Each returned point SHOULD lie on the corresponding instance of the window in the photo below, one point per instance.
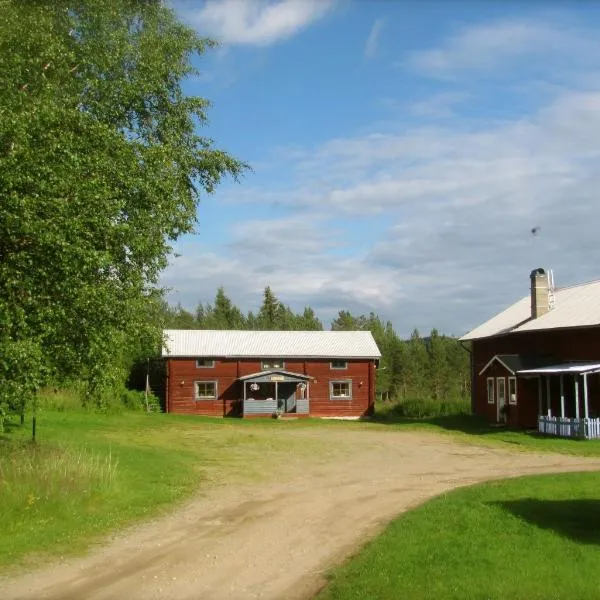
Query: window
(275, 363)
(205, 363)
(340, 390)
(206, 390)
(512, 390)
(490, 390)
(338, 364)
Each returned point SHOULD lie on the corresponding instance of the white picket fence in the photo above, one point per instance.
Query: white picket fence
(564, 427)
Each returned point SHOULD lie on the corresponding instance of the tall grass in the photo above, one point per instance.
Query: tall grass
(423, 408)
(31, 473)
(45, 492)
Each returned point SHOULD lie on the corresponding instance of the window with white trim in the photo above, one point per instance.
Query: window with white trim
(512, 390)
(340, 390)
(274, 363)
(490, 390)
(205, 363)
(338, 364)
(205, 390)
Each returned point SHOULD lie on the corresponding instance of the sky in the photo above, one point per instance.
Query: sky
(401, 152)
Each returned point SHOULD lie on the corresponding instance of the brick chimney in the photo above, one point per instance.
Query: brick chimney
(540, 293)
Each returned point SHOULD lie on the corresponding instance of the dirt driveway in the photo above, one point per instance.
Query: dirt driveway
(275, 540)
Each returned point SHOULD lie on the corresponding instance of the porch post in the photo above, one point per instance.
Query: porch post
(539, 395)
(277, 398)
(576, 377)
(562, 395)
(585, 396)
(548, 403)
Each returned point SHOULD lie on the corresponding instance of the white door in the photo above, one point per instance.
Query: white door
(501, 397)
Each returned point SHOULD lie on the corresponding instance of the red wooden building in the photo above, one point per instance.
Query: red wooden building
(537, 363)
(264, 373)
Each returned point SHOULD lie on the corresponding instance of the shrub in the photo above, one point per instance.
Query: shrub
(423, 408)
(136, 400)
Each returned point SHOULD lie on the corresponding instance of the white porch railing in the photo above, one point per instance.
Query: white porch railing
(564, 427)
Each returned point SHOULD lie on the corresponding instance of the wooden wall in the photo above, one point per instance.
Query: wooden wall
(561, 345)
(182, 373)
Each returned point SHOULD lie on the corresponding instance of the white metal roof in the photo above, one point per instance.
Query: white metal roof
(575, 306)
(580, 367)
(269, 344)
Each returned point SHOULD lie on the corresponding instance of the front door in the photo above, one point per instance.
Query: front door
(288, 393)
(501, 398)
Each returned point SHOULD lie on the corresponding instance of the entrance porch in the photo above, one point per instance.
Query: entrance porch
(274, 393)
(582, 421)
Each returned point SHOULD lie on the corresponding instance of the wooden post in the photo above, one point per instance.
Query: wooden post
(34, 421)
(539, 395)
(548, 402)
(585, 397)
(562, 395)
(244, 400)
(147, 385)
(576, 377)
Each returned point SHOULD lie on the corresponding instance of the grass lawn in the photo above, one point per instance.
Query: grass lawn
(475, 430)
(530, 538)
(90, 474)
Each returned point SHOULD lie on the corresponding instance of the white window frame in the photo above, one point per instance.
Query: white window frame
(338, 368)
(491, 387)
(197, 395)
(512, 398)
(211, 364)
(267, 365)
(347, 382)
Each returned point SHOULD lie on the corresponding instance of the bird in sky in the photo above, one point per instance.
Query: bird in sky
(535, 230)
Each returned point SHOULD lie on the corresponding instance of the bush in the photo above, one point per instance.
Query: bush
(136, 400)
(423, 408)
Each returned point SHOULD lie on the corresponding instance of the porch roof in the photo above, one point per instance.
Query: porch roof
(576, 368)
(514, 363)
(278, 373)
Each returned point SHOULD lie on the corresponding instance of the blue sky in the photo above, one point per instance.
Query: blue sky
(401, 153)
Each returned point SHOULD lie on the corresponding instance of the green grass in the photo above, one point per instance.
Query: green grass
(527, 538)
(475, 430)
(90, 474)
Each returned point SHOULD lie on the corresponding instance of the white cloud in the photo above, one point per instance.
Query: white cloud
(438, 106)
(440, 215)
(254, 22)
(498, 45)
(372, 43)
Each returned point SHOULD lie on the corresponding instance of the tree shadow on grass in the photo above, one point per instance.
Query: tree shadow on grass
(469, 424)
(578, 520)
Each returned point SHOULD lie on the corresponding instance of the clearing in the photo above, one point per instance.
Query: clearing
(277, 537)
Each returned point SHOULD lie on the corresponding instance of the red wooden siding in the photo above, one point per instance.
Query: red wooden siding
(182, 373)
(576, 344)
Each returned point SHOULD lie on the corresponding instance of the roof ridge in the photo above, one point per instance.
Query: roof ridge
(574, 285)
